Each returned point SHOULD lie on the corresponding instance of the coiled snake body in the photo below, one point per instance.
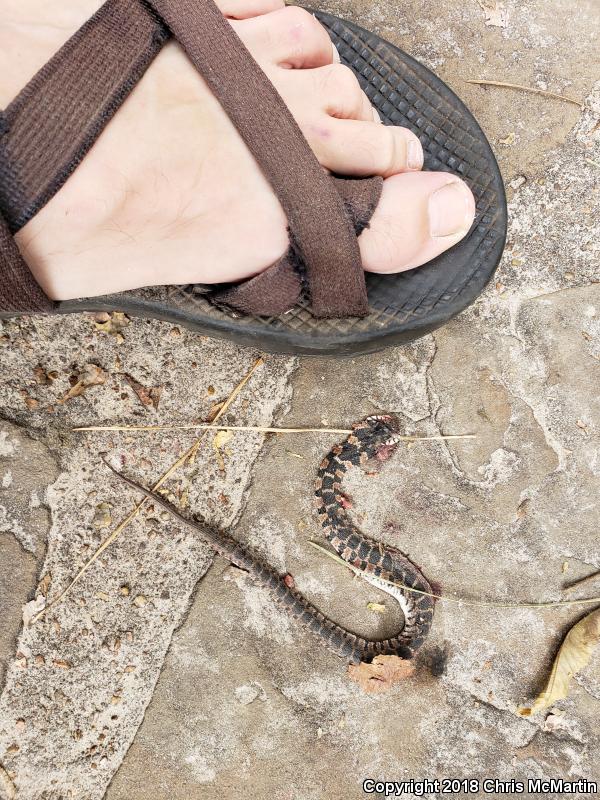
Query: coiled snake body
(380, 565)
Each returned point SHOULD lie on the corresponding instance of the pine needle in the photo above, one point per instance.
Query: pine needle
(258, 429)
(462, 600)
(530, 89)
(180, 461)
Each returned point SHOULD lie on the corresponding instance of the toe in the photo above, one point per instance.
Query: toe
(290, 37)
(419, 216)
(361, 148)
(340, 93)
(245, 9)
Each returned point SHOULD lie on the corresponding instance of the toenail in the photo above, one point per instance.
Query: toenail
(336, 55)
(376, 116)
(414, 154)
(451, 210)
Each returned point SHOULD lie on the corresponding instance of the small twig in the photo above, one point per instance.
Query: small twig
(582, 581)
(111, 538)
(256, 428)
(530, 89)
(476, 603)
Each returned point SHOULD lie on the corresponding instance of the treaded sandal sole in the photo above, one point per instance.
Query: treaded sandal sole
(405, 306)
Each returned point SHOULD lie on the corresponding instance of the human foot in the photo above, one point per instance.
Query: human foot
(165, 191)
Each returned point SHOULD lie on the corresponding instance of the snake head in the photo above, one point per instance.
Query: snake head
(383, 429)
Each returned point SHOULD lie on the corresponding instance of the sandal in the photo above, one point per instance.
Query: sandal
(316, 299)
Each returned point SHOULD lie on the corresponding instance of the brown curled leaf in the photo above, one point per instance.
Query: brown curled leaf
(574, 654)
(381, 674)
(91, 375)
(149, 397)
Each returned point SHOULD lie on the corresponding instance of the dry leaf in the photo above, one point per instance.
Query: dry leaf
(496, 14)
(111, 323)
(381, 674)
(44, 378)
(148, 397)
(378, 608)
(184, 497)
(214, 410)
(102, 516)
(30, 402)
(574, 654)
(220, 440)
(91, 375)
(44, 585)
(32, 608)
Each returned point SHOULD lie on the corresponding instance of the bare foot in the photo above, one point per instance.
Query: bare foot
(169, 194)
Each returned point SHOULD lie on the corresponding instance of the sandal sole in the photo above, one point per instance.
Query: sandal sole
(403, 306)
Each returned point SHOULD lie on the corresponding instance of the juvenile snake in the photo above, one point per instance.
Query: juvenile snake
(375, 437)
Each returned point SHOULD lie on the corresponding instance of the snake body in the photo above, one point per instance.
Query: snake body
(378, 564)
(383, 566)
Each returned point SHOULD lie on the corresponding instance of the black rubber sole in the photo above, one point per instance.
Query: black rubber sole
(403, 307)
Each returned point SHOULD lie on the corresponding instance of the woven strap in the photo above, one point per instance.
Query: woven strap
(320, 228)
(48, 129)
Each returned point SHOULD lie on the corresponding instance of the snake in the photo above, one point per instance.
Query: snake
(383, 566)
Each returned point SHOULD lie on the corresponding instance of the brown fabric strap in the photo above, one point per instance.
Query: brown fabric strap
(18, 290)
(320, 229)
(49, 128)
(279, 288)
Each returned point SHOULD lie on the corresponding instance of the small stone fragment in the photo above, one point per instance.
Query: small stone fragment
(249, 693)
(102, 517)
(139, 601)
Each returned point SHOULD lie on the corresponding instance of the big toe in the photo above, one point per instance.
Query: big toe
(419, 216)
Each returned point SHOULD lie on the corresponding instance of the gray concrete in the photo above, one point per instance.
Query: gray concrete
(203, 689)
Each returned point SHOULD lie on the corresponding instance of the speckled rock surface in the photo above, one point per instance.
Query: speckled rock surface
(204, 690)
(79, 679)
